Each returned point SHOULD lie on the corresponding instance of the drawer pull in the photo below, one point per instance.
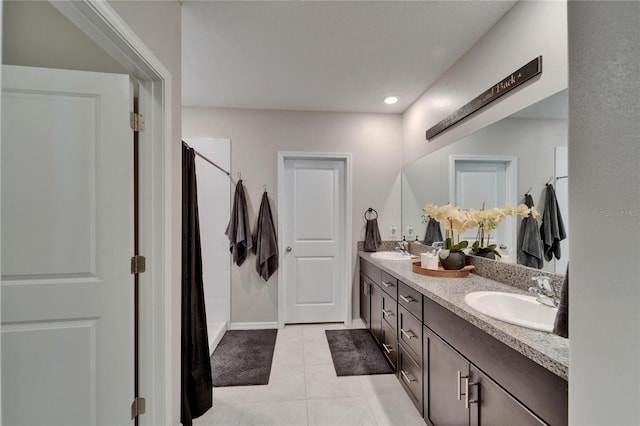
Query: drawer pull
(407, 377)
(468, 401)
(410, 335)
(388, 349)
(408, 299)
(386, 284)
(460, 377)
(387, 313)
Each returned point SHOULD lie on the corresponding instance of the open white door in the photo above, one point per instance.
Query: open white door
(314, 233)
(67, 240)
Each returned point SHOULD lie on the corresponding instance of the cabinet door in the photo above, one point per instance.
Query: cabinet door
(445, 373)
(491, 405)
(376, 312)
(365, 300)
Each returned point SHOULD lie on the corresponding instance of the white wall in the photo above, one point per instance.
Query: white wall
(256, 137)
(528, 30)
(158, 24)
(604, 202)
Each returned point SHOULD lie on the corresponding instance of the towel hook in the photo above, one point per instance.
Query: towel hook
(529, 190)
(369, 211)
(264, 187)
(550, 179)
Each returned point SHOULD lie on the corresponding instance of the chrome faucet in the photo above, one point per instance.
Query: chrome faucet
(544, 292)
(401, 249)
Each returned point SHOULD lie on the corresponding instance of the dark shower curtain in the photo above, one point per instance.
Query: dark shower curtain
(196, 387)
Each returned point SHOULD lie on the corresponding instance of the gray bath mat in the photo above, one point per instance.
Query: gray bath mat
(355, 353)
(243, 357)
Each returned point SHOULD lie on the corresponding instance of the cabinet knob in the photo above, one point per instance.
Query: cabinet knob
(288, 249)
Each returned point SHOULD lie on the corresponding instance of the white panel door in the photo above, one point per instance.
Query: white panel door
(314, 232)
(67, 239)
(478, 182)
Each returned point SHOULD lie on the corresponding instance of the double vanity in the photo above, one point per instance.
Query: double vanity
(458, 365)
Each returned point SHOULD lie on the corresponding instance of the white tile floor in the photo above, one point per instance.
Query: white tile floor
(304, 390)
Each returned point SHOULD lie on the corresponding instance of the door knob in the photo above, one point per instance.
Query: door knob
(288, 249)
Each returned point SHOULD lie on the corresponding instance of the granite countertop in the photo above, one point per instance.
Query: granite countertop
(546, 349)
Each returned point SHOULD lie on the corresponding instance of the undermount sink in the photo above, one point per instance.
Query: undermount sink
(390, 255)
(515, 309)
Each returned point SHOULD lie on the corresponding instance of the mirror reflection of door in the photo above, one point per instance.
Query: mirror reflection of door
(478, 181)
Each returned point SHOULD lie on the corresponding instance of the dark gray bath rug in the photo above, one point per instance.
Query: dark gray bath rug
(355, 353)
(243, 357)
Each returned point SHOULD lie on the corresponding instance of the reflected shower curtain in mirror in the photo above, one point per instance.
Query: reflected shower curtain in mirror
(196, 384)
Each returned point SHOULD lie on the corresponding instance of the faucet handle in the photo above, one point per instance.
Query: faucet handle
(543, 282)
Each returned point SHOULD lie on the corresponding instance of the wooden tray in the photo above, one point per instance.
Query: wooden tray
(441, 272)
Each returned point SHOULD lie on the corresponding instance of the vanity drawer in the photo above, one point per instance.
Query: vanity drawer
(410, 376)
(389, 284)
(410, 299)
(390, 311)
(410, 333)
(390, 344)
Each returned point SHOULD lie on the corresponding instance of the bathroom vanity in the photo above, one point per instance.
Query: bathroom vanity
(457, 365)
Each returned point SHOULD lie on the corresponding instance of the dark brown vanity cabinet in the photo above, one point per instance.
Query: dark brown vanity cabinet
(458, 393)
(365, 299)
(471, 375)
(375, 325)
(371, 298)
(454, 372)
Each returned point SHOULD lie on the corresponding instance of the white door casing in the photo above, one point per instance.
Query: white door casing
(159, 151)
(67, 222)
(314, 221)
(492, 180)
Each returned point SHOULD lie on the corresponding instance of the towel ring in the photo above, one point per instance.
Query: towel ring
(368, 212)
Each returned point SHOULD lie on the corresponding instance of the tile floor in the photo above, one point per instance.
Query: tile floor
(304, 390)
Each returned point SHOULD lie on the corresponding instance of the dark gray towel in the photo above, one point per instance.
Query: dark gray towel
(238, 230)
(561, 325)
(529, 243)
(552, 228)
(265, 241)
(372, 237)
(432, 233)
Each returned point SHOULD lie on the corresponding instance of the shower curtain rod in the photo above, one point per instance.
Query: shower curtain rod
(207, 160)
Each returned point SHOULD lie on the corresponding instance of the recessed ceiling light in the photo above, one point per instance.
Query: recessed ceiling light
(390, 100)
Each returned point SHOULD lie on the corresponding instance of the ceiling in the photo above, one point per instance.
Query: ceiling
(344, 56)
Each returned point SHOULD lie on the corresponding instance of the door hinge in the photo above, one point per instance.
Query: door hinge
(137, 407)
(137, 122)
(138, 264)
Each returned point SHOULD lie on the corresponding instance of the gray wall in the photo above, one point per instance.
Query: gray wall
(604, 197)
(257, 135)
(35, 34)
(528, 30)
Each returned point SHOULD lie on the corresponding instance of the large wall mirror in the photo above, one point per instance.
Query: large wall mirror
(497, 166)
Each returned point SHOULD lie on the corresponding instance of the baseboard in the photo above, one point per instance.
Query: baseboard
(215, 335)
(252, 325)
(357, 323)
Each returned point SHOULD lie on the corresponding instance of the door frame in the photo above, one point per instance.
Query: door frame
(346, 248)
(98, 20)
(511, 191)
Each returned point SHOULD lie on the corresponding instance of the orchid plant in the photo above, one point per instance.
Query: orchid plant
(458, 221)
